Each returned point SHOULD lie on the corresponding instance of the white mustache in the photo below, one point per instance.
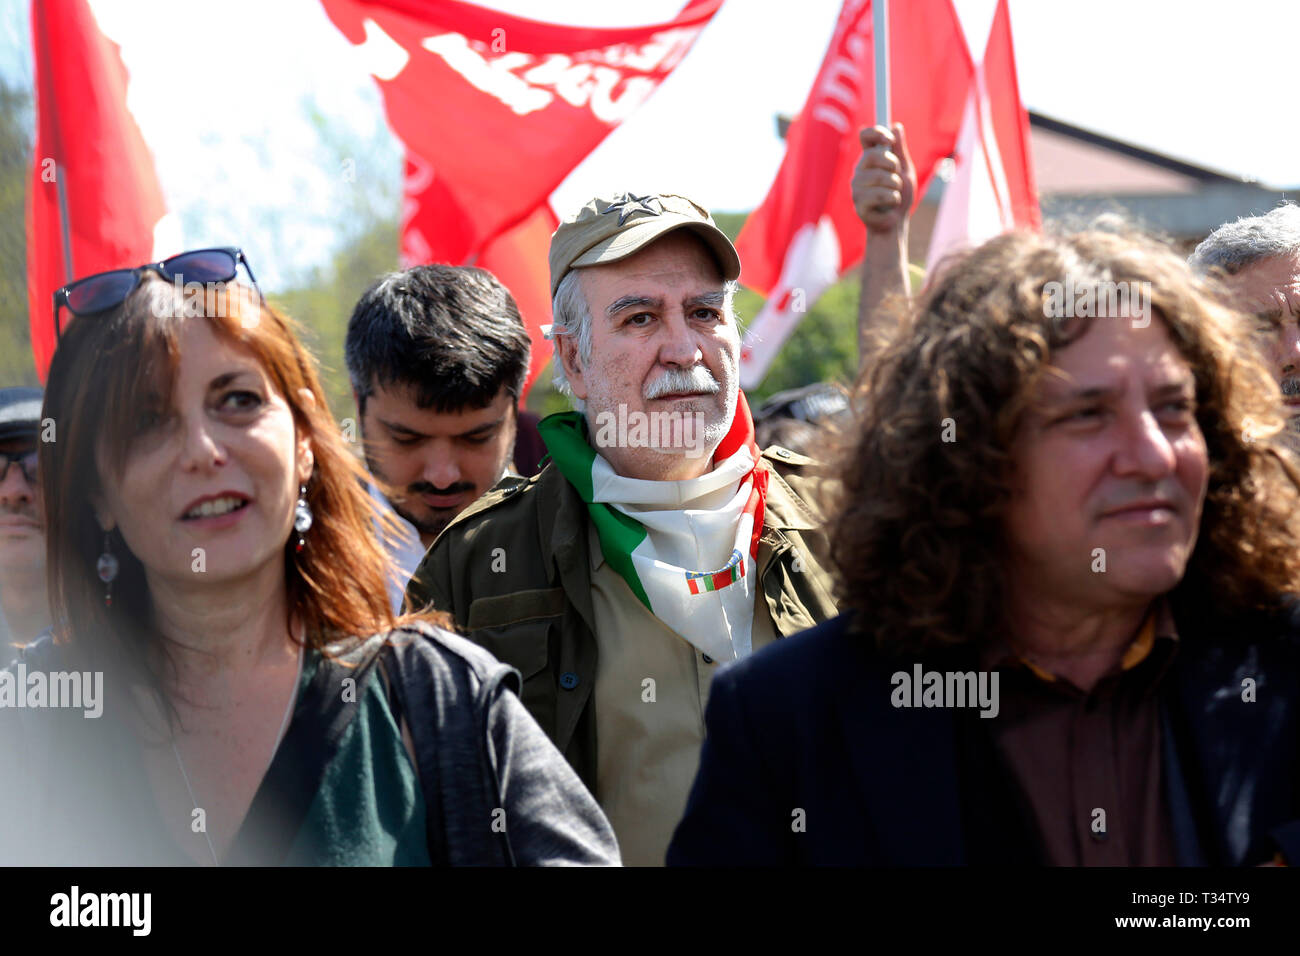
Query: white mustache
(698, 379)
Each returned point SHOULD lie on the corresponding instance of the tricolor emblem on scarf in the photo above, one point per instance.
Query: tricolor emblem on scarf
(699, 581)
(685, 548)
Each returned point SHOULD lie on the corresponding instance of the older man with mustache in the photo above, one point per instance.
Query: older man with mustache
(24, 607)
(1258, 260)
(659, 543)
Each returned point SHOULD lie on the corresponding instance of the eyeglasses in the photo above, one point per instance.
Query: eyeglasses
(107, 290)
(26, 464)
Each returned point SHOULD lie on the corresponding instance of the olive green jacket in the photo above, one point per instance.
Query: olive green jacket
(513, 571)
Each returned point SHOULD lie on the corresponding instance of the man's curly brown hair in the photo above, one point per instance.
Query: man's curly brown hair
(919, 539)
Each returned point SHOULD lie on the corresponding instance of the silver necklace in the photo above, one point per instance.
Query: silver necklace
(284, 725)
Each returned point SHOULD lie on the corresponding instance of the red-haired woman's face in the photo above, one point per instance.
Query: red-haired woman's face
(209, 483)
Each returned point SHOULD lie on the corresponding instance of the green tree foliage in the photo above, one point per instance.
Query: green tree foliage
(323, 302)
(16, 366)
(730, 222)
(366, 247)
(823, 346)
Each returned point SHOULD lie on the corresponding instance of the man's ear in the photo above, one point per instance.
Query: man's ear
(567, 348)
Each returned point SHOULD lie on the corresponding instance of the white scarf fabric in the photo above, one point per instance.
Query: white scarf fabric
(694, 526)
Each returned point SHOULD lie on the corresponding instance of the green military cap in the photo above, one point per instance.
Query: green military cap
(610, 228)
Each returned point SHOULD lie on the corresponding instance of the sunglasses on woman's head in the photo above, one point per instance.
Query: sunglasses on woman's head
(107, 290)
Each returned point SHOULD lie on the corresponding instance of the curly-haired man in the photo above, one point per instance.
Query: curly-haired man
(1067, 544)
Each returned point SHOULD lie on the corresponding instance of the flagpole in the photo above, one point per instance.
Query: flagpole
(880, 37)
(63, 222)
(880, 41)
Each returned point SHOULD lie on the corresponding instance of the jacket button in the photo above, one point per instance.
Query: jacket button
(568, 680)
(708, 659)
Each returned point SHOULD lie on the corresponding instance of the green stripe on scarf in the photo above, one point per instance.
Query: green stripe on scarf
(565, 435)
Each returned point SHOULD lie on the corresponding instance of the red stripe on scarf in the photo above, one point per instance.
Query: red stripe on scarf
(757, 501)
(741, 435)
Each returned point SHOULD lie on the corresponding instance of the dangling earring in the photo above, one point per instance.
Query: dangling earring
(301, 517)
(107, 568)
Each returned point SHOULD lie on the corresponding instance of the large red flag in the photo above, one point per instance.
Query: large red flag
(806, 232)
(518, 259)
(495, 111)
(994, 188)
(94, 202)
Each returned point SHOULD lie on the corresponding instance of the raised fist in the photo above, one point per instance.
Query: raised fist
(884, 182)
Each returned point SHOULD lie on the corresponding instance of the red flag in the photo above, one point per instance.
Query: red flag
(495, 111)
(806, 232)
(93, 196)
(518, 259)
(994, 188)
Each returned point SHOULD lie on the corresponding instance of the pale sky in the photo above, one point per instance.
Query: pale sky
(223, 91)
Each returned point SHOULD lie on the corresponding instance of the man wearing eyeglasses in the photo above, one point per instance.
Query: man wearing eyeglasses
(24, 609)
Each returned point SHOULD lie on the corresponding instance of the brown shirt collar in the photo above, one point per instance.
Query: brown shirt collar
(1158, 625)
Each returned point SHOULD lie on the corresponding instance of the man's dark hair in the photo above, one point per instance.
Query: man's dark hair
(451, 333)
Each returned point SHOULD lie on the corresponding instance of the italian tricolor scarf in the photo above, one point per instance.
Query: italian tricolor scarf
(687, 549)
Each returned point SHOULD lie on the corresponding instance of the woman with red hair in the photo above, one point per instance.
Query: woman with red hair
(222, 610)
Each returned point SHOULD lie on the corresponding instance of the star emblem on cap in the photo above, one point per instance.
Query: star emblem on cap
(630, 203)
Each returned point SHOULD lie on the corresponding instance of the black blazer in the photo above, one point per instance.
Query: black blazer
(805, 760)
